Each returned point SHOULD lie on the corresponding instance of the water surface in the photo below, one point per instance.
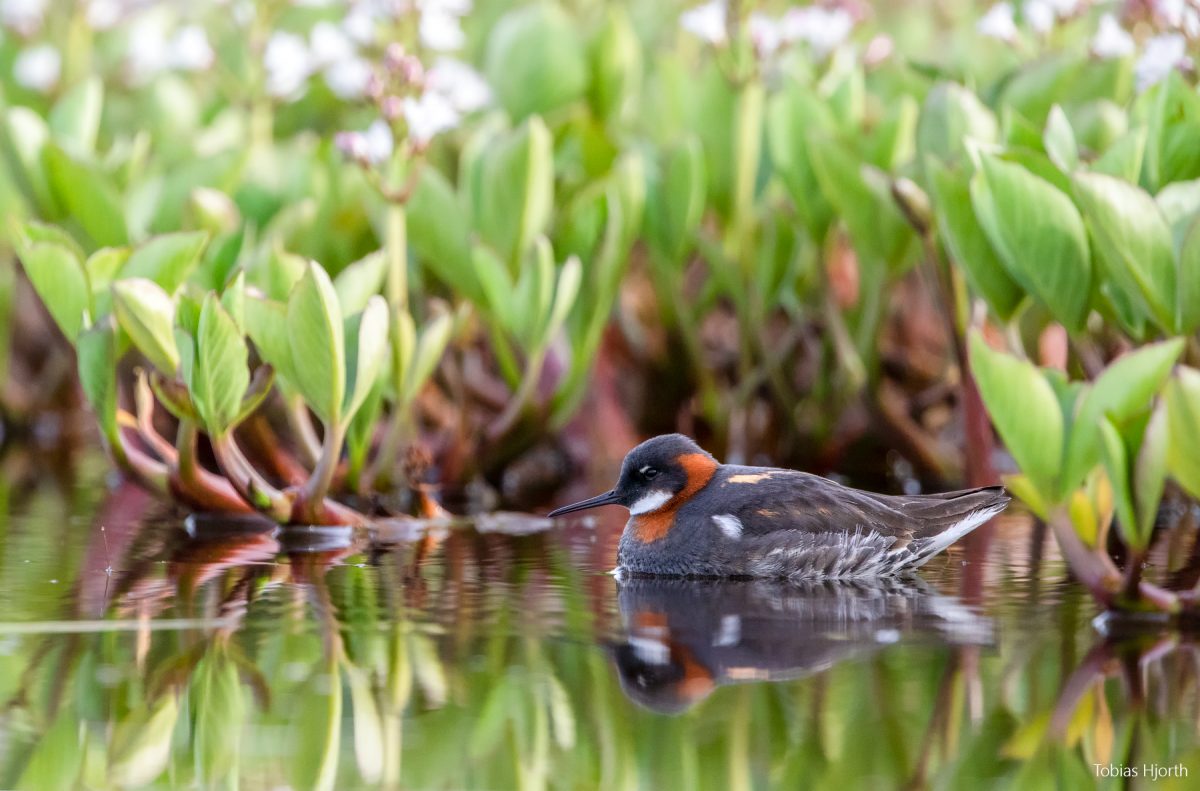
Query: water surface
(165, 651)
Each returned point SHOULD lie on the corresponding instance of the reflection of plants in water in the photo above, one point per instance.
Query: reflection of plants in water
(292, 663)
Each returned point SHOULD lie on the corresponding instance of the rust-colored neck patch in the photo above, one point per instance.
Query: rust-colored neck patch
(653, 526)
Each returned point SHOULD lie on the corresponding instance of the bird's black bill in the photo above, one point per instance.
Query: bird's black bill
(608, 498)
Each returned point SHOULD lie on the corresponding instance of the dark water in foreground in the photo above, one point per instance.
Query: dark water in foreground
(175, 653)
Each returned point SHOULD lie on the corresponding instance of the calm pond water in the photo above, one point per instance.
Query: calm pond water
(164, 651)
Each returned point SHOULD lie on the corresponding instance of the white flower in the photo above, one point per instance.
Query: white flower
(428, 116)
(440, 29)
(38, 68)
(288, 64)
(706, 22)
(1112, 40)
(1040, 16)
(823, 29)
(465, 89)
(103, 14)
(379, 141)
(360, 23)
(23, 16)
(327, 45)
(998, 22)
(765, 33)
(348, 78)
(1161, 55)
(190, 50)
(1179, 15)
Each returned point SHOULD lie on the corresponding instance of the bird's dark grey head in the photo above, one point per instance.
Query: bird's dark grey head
(654, 474)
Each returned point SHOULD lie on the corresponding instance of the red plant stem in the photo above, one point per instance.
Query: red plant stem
(205, 490)
(1093, 568)
(248, 482)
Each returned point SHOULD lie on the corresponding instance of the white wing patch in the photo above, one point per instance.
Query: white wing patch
(730, 632)
(651, 501)
(730, 525)
(650, 651)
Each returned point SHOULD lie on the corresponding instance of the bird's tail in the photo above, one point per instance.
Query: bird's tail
(948, 517)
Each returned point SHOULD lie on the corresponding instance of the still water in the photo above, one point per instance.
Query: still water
(142, 648)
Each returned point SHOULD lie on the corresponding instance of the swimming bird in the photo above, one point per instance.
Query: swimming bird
(691, 516)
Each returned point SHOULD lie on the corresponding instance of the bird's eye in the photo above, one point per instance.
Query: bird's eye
(649, 472)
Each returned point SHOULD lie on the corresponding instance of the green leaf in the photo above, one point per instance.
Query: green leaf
(316, 337)
(102, 267)
(167, 259)
(1123, 159)
(967, 242)
(1125, 388)
(266, 324)
(24, 139)
(428, 352)
(535, 61)
(438, 231)
(565, 292)
(1133, 241)
(1116, 461)
(1150, 473)
(366, 350)
(1038, 234)
(57, 276)
(497, 285)
(56, 761)
(75, 119)
(951, 115)
(517, 190)
(616, 65)
(368, 726)
(674, 212)
(1059, 141)
(1024, 409)
(88, 195)
(147, 314)
(219, 376)
(233, 299)
(358, 282)
(96, 351)
(1189, 280)
(1182, 395)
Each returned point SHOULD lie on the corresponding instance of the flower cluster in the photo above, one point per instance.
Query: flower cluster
(822, 28)
(1039, 15)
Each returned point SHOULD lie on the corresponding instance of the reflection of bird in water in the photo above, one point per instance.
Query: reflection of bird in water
(683, 638)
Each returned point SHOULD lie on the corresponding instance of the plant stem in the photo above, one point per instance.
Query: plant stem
(312, 494)
(248, 482)
(207, 490)
(508, 418)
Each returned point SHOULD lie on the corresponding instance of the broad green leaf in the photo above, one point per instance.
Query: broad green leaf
(1038, 234)
(1025, 411)
(358, 282)
(281, 273)
(428, 352)
(233, 299)
(535, 61)
(33, 231)
(214, 211)
(616, 65)
(88, 195)
(438, 230)
(1133, 241)
(366, 350)
(59, 279)
(1182, 395)
(497, 285)
(219, 376)
(24, 138)
(518, 190)
(565, 292)
(56, 761)
(1059, 140)
(1189, 280)
(316, 337)
(167, 259)
(96, 351)
(1125, 388)
(75, 118)
(1150, 472)
(952, 114)
(147, 314)
(1180, 206)
(1116, 461)
(792, 114)
(675, 212)
(967, 242)
(1123, 159)
(102, 267)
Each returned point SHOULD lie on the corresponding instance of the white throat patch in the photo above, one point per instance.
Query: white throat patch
(651, 501)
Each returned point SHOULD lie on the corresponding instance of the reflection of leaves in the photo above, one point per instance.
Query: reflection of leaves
(316, 722)
(217, 698)
(141, 743)
(59, 755)
(368, 726)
